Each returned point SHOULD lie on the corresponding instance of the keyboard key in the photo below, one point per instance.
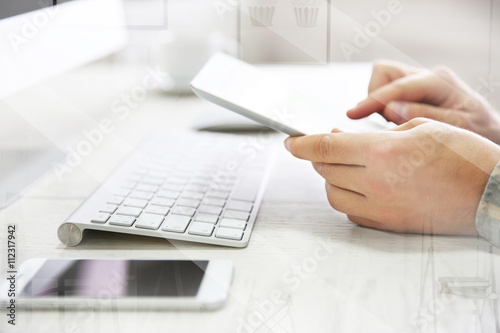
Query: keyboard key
(135, 203)
(217, 187)
(152, 181)
(122, 192)
(197, 188)
(135, 178)
(116, 200)
(168, 194)
(200, 181)
(140, 171)
(210, 209)
(176, 223)
(153, 209)
(232, 223)
(130, 211)
(178, 180)
(188, 203)
(214, 202)
(187, 169)
(240, 205)
(184, 175)
(172, 187)
(180, 210)
(108, 209)
(201, 229)
(141, 195)
(217, 194)
(123, 221)
(100, 218)
(209, 218)
(149, 221)
(204, 175)
(235, 214)
(128, 184)
(146, 188)
(229, 233)
(192, 195)
(162, 202)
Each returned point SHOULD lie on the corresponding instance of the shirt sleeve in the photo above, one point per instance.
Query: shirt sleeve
(488, 213)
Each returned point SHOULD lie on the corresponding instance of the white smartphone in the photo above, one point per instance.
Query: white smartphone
(97, 284)
(260, 96)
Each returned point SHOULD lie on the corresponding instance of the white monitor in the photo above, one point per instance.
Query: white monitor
(40, 39)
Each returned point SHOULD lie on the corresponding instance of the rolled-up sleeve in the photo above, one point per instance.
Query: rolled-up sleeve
(488, 213)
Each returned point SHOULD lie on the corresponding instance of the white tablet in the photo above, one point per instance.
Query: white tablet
(260, 96)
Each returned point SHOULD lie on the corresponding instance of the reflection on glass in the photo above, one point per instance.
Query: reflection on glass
(117, 278)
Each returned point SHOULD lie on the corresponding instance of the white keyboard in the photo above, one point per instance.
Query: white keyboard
(191, 186)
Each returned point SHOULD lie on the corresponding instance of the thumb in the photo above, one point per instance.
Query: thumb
(401, 112)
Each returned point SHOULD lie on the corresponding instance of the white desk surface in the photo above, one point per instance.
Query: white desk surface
(306, 269)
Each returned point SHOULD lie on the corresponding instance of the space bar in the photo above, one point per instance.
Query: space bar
(248, 186)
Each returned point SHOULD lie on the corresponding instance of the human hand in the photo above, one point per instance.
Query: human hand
(421, 177)
(400, 93)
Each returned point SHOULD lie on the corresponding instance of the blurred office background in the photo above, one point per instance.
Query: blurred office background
(461, 34)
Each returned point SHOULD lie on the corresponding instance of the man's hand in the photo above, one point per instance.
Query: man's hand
(421, 177)
(400, 93)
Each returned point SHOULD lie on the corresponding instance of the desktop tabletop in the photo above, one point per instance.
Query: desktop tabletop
(306, 268)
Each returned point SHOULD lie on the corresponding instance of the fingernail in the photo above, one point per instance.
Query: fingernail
(287, 144)
(399, 108)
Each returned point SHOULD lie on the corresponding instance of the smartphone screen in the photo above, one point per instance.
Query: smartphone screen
(116, 278)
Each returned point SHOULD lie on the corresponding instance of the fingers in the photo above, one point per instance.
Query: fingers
(401, 112)
(412, 123)
(412, 88)
(349, 177)
(385, 72)
(337, 148)
(345, 201)
(365, 222)
(458, 86)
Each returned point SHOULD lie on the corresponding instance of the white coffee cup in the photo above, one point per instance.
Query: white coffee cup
(191, 38)
(182, 57)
